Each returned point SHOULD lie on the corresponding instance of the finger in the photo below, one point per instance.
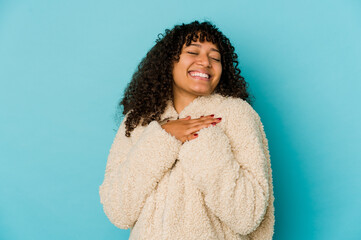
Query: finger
(188, 137)
(208, 116)
(192, 136)
(198, 127)
(200, 121)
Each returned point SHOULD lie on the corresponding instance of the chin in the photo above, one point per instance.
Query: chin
(201, 90)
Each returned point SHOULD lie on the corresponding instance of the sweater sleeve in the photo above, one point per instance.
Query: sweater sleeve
(133, 171)
(231, 170)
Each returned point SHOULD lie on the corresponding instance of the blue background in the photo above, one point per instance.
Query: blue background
(64, 65)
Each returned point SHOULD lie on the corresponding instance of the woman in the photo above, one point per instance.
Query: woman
(190, 159)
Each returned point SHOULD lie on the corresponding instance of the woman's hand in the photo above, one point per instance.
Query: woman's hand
(185, 128)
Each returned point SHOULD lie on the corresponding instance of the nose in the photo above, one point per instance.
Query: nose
(204, 60)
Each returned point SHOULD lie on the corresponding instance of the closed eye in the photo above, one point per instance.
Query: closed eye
(197, 53)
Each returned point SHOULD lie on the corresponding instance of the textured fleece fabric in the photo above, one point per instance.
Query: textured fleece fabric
(216, 186)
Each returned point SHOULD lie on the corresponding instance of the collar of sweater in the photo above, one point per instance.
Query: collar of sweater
(201, 105)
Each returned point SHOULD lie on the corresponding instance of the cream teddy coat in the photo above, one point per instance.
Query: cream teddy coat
(216, 186)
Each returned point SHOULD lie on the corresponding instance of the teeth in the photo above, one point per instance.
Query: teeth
(200, 74)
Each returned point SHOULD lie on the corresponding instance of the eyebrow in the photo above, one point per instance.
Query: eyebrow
(198, 45)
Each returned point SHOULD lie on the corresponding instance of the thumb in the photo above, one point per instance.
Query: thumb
(191, 136)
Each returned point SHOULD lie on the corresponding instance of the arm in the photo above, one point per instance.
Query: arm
(231, 171)
(133, 171)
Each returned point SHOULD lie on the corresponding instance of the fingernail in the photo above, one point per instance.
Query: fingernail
(195, 134)
(202, 116)
(214, 123)
(212, 115)
(219, 118)
(167, 120)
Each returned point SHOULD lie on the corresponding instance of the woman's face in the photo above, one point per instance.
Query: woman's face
(198, 70)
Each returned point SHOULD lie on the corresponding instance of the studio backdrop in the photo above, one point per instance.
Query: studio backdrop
(65, 64)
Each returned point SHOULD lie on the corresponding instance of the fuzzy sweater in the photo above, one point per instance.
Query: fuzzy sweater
(216, 186)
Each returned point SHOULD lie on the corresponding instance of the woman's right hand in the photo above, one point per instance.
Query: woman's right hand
(185, 128)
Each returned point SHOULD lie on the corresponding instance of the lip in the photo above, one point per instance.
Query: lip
(198, 77)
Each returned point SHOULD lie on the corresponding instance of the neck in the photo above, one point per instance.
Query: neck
(181, 100)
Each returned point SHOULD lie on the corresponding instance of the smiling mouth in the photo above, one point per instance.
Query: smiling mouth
(199, 77)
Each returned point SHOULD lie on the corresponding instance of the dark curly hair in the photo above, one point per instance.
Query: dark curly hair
(151, 86)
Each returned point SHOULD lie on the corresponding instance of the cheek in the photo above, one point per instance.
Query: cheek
(178, 71)
(219, 70)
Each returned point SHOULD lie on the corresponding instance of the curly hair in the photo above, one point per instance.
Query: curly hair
(146, 95)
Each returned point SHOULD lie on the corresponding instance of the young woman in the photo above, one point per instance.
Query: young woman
(190, 159)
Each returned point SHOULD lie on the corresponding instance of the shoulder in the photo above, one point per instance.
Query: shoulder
(123, 119)
(122, 127)
(236, 108)
(241, 119)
